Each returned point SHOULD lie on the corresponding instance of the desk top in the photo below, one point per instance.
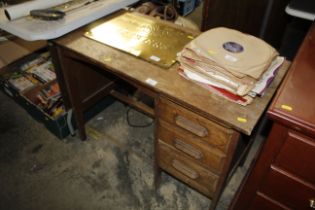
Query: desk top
(170, 83)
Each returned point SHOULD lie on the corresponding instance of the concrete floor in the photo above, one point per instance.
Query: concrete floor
(112, 170)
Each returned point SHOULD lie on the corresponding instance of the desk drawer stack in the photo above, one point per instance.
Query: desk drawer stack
(192, 148)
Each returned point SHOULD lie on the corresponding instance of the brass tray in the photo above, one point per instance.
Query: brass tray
(149, 39)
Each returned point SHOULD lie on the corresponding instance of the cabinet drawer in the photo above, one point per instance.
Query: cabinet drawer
(298, 156)
(186, 170)
(192, 147)
(288, 190)
(216, 135)
(262, 202)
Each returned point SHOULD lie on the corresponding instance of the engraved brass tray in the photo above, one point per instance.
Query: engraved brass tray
(154, 41)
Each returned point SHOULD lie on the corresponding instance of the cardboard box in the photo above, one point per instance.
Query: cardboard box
(57, 125)
(12, 50)
(27, 98)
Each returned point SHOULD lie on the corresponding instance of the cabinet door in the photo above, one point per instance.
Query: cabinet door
(263, 18)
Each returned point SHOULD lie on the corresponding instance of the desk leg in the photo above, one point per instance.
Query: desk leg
(73, 89)
(224, 176)
(157, 174)
(157, 169)
(68, 86)
(80, 124)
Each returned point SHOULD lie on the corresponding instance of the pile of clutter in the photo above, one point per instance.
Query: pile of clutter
(168, 12)
(164, 12)
(227, 62)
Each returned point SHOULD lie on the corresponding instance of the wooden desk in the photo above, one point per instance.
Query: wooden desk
(197, 132)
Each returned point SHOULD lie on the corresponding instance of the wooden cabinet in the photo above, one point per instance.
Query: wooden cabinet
(283, 177)
(263, 18)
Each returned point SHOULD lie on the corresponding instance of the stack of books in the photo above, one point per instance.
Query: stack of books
(50, 99)
(32, 73)
(44, 72)
(229, 63)
(36, 80)
(20, 82)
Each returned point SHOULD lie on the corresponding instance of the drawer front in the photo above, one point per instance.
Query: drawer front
(262, 202)
(298, 156)
(186, 170)
(290, 191)
(216, 135)
(192, 147)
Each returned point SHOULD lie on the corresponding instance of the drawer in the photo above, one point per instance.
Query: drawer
(186, 170)
(216, 135)
(263, 202)
(288, 190)
(298, 156)
(192, 147)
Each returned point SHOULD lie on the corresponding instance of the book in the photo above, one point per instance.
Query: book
(20, 84)
(42, 58)
(51, 91)
(50, 99)
(44, 72)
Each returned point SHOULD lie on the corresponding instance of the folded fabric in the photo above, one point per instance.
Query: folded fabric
(240, 54)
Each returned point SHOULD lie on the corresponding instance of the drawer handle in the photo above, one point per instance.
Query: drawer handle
(188, 149)
(185, 169)
(193, 127)
(312, 203)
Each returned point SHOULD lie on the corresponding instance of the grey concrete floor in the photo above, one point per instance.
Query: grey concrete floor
(113, 169)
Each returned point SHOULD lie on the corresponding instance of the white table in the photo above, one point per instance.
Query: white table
(31, 29)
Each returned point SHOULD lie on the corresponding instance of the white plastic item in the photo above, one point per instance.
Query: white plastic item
(21, 10)
(31, 29)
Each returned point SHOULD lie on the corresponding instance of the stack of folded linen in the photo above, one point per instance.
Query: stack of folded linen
(235, 65)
